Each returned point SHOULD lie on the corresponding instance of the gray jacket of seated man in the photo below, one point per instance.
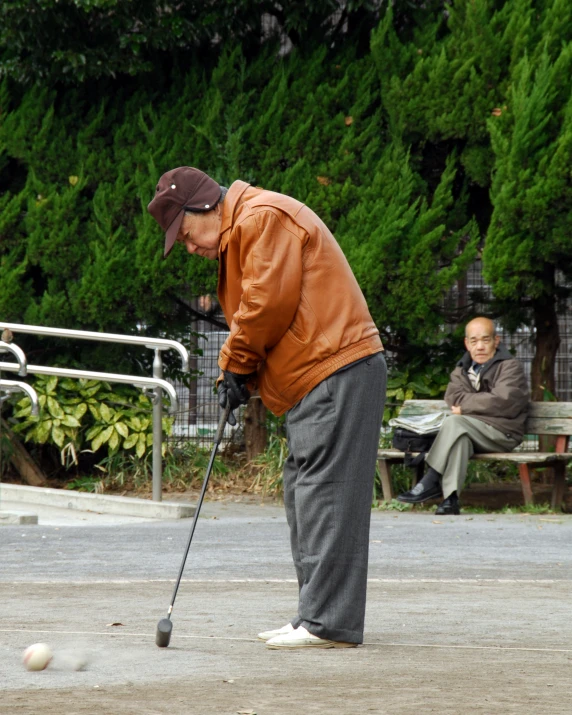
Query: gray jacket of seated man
(492, 420)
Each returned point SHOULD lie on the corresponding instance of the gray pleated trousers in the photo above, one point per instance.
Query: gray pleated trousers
(333, 436)
(458, 439)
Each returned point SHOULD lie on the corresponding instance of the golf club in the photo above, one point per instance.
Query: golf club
(165, 625)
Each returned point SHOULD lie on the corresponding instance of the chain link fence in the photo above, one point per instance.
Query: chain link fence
(199, 413)
(473, 291)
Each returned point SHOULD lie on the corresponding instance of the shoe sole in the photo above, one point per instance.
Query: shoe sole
(420, 501)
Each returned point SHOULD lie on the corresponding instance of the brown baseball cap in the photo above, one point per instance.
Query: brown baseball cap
(180, 189)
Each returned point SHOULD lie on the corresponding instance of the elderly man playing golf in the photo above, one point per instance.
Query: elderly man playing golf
(301, 333)
(488, 397)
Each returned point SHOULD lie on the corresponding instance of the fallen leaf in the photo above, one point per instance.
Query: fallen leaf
(323, 180)
(375, 541)
(551, 521)
(497, 111)
(437, 522)
(246, 712)
(228, 681)
(73, 180)
(116, 624)
(349, 121)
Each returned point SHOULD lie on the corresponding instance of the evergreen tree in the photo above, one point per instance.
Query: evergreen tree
(395, 149)
(528, 241)
(71, 41)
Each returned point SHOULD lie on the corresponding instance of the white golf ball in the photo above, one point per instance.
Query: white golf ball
(37, 656)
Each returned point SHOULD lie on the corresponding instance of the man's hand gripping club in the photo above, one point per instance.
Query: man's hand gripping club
(232, 391)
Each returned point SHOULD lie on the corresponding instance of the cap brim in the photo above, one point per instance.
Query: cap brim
(172, 232)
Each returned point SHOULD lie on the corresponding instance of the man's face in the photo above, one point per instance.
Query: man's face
(200, 233)
(480, 340)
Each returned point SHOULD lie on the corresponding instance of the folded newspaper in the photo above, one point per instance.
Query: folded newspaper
(421, 424)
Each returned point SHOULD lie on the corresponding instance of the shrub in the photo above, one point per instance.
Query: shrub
(78, 416)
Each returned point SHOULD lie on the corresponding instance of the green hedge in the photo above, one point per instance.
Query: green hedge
(392, 147)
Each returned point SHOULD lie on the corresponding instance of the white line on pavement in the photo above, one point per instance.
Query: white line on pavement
(254, 640)
(285, 580)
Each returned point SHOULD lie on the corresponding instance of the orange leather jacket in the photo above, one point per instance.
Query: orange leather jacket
(295, 310)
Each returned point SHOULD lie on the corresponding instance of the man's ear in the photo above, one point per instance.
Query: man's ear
(497, 341)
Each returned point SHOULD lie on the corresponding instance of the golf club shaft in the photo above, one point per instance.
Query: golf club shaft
(218, 438)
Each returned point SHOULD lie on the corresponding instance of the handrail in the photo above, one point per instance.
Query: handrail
(142, 382)
(20, 356)
(153, 343)
(12, 385)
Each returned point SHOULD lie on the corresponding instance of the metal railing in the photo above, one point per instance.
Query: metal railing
(142, 382)
(10, 386)
(156, 344)
(19, 355)
(153, 343)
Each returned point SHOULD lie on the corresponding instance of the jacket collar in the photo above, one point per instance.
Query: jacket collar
(501, 354)
(229, 206)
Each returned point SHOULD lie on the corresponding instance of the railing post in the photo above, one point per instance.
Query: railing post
(157, 429)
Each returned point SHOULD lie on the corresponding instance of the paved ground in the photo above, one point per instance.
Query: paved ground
(465, 614)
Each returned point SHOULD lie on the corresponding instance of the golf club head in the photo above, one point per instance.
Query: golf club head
(163, 635)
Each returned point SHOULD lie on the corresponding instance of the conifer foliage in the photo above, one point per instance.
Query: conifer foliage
(447, 136)
(529, 237)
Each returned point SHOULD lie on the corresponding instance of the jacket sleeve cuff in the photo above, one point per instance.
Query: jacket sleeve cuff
(227, 364)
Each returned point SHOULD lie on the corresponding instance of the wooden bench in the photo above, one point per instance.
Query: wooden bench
(544, 418)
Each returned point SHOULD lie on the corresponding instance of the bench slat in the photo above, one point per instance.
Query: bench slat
(517, 457)
(547, 425)
(526, 457)
(543, 417)
(551, 409)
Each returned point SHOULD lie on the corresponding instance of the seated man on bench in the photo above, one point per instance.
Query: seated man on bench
(488, 397)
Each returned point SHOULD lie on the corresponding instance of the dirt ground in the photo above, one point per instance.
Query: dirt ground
(419, 657)
(468, 615)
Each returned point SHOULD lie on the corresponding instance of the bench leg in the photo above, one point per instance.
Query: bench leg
(524, 471)
(559, 486)
(385, 473)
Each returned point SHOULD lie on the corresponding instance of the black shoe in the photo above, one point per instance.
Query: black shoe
(449, 506)
(421, 493)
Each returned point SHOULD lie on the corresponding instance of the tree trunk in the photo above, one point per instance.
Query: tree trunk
(22, 462)
(255, 433)
(547, 342)
(543, 374)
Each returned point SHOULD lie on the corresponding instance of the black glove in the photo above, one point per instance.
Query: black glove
(232, 391)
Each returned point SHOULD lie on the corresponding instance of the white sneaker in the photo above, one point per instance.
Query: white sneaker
(301, 638)
(267, 635)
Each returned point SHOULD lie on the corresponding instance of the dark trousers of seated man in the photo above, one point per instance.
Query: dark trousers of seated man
(458, 439)
(333, 437)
